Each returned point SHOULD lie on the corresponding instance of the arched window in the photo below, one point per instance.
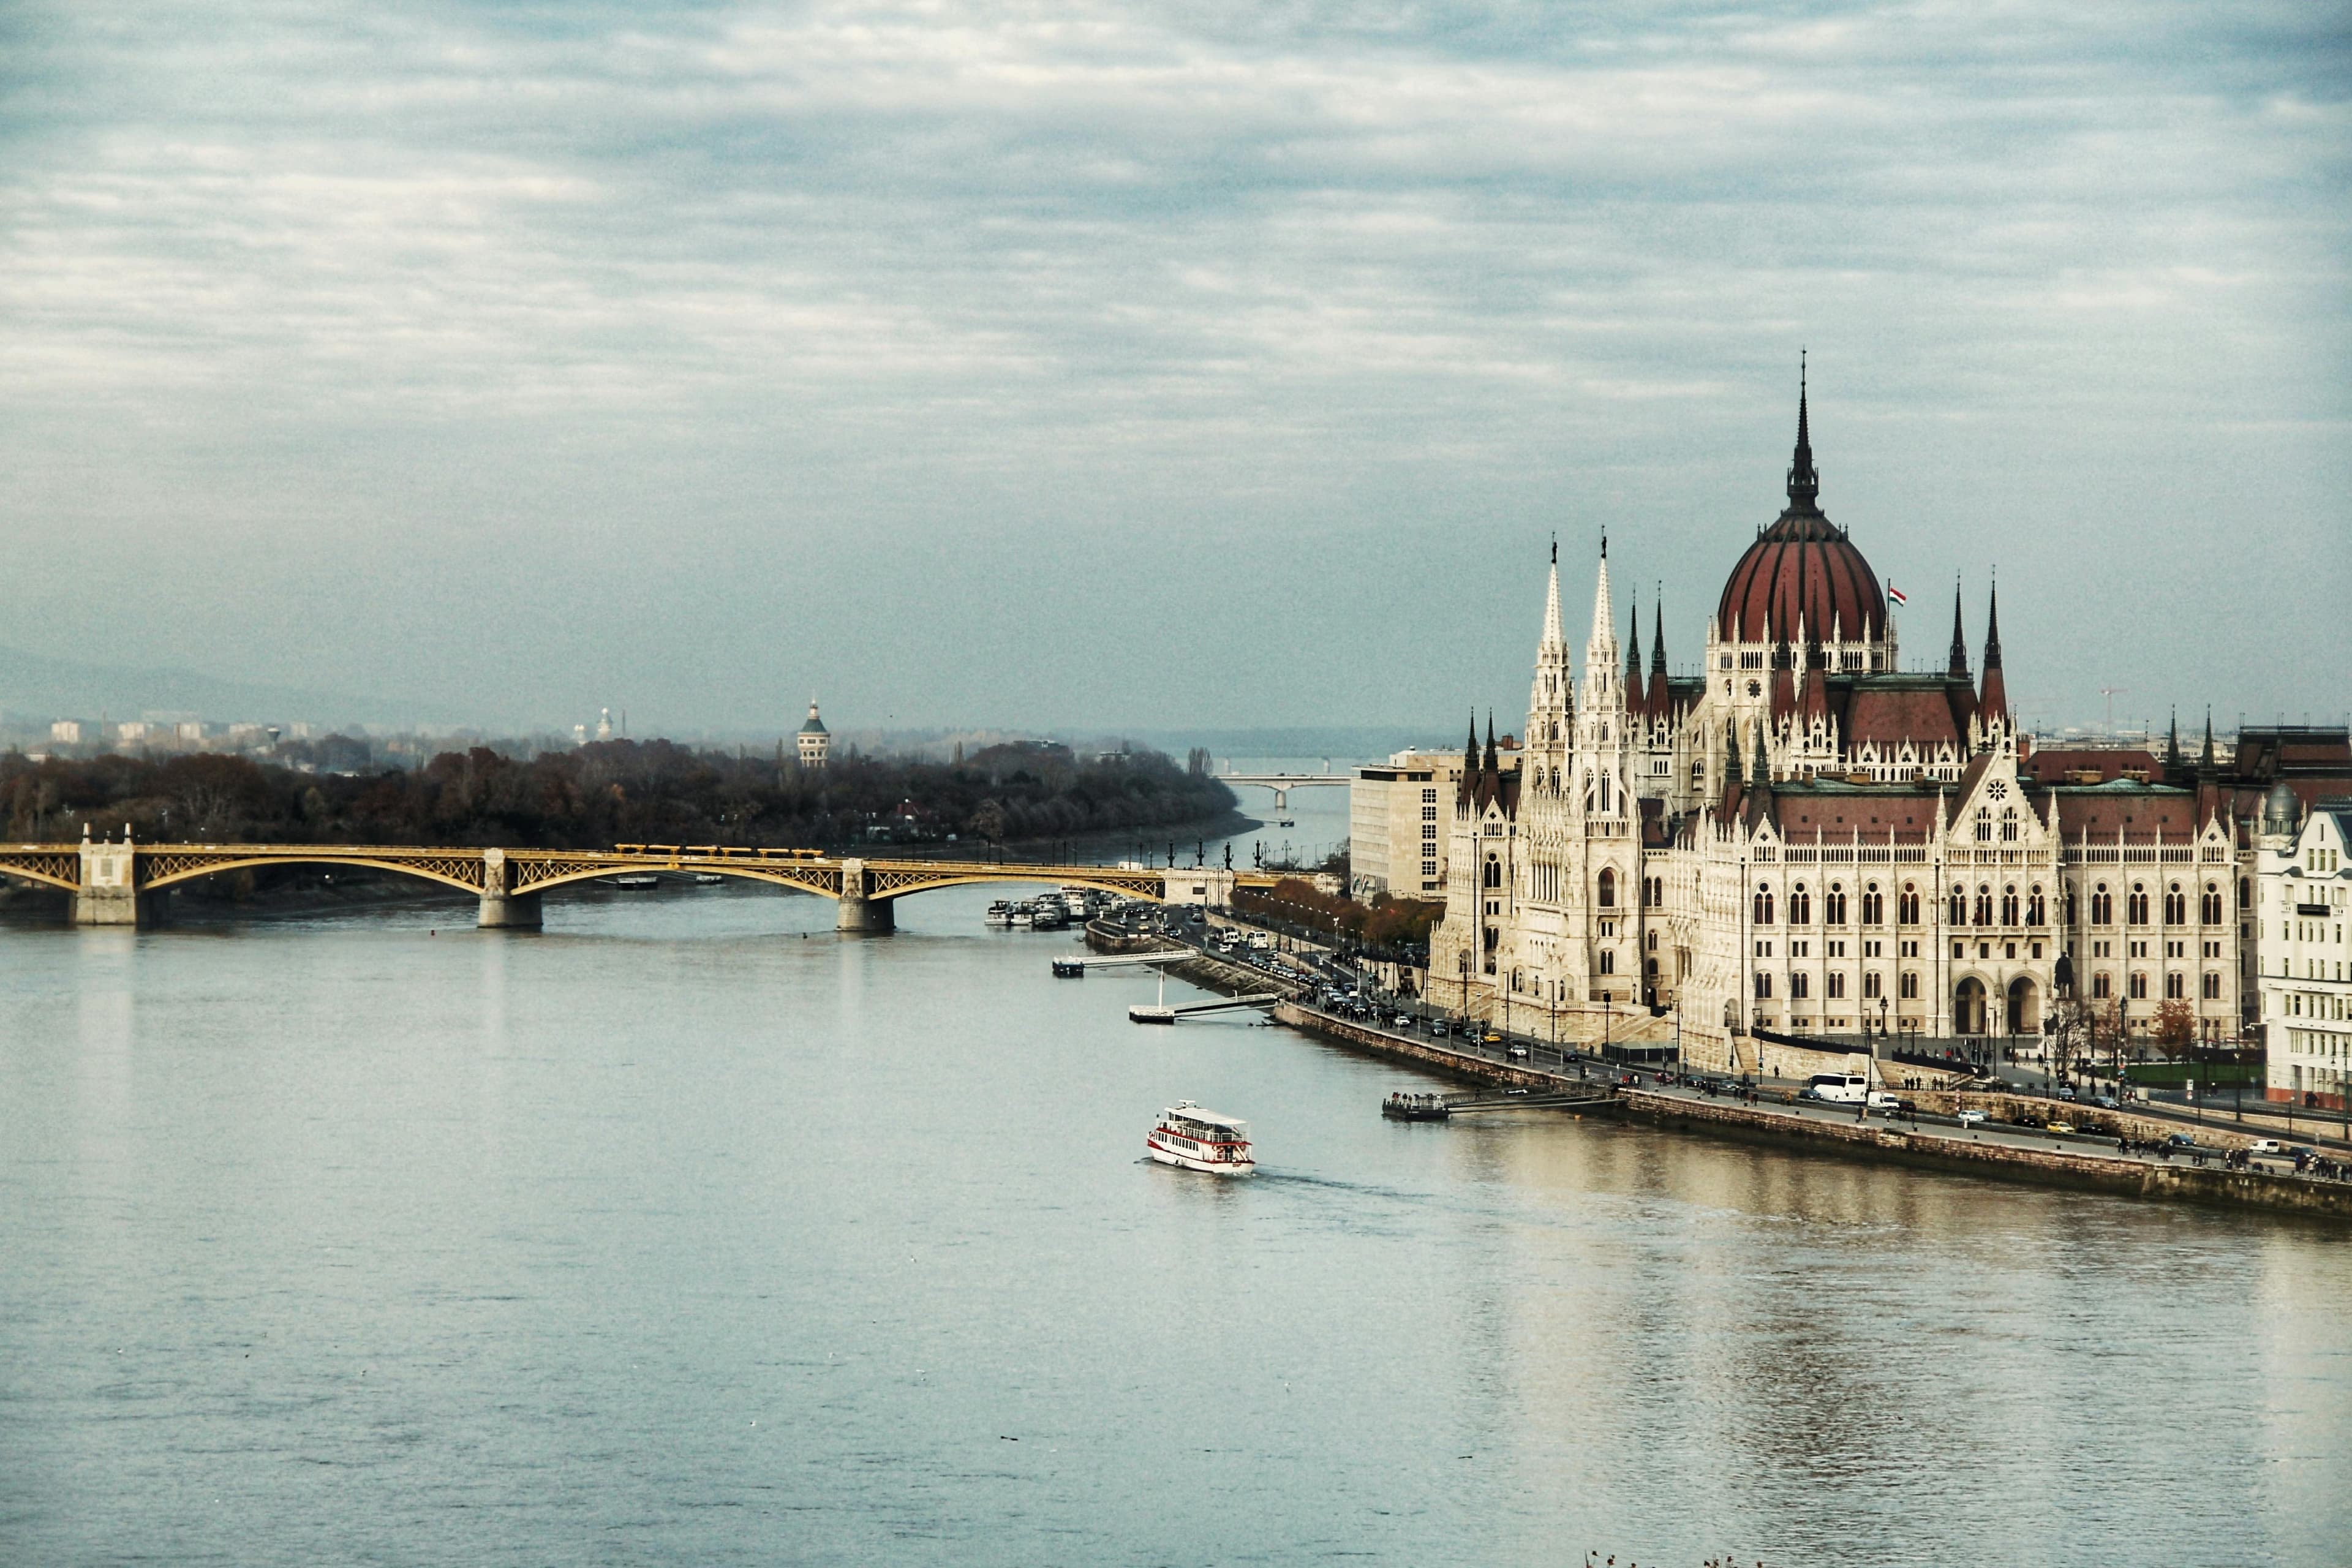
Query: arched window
(1907, 906)
(1801, 905)
(1873, 906)
(2009, 905)
(2209, 908)
(1608, 897)
(1494, 872)
(1984, 825)
(2138, 904)
(2102, 906)
(1834, 905)
(1800, 986)
(1763, 988)
(1984, 903)
(2139, 986)
(1960, 906)
(2009, 825)
(2176, 906)
(1763, 905)
(2033, 911)
(2245, 892)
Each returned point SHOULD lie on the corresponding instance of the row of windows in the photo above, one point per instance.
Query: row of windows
(1982, 907)
(2175, 985)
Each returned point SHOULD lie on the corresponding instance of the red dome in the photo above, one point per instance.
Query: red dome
(1801, 566)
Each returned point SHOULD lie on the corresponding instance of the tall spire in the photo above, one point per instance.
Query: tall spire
(1960, 663)
(1763, 766)
(2206, 760)
(1633, 652)
(1470, 753)
(1804, 484)
(1599, 653)
(1660, 701)
(1992, 701)
(2172, 742)
(1731, 779)
(1494, 763)
(1552, 635)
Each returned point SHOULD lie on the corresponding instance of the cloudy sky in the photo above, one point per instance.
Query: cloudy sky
(1222, 363)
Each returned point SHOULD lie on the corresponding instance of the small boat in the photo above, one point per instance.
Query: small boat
(636, 882)
(709, 879)
(1024, 915)
(1197, 1140)
(1146, 1013)
(1416, 1108)
(1049, 917)
(1070, 968)
(999, 916)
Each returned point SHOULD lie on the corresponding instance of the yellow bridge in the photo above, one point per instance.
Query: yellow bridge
(119, 883)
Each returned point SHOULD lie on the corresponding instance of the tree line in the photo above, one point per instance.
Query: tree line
(606, 793)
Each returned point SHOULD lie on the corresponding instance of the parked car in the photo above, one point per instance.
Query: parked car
(2265, 1146)
(1972, 1119)
(2107, 1103)
(2056, 1127)
(2180, 1141)
(1518, 1053)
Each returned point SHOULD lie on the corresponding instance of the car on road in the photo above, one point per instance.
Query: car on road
(2107, 1103)
(1972, 1119)
(1493, 1039)
(2265, 1146)
(1517, 1053)
(2058, 1127)
(2180, 1141)
(2066, 1091)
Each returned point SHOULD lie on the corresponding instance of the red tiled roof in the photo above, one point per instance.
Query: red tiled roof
(1892, 715)
(2139, 814)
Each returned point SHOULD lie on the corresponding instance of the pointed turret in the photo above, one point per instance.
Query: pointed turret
(1959, 667)
(2172, 742)
(1784, 683)
(1804, 484)
(1992, 705)
(2205, 758)
(1732, 782)
(1633, 653)
(1470, 757)
(1762, 769)
(1661, 698)
(1494, 761)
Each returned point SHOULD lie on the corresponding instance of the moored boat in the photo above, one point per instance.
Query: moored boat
(999, 916)
(635, 881)
(1195, 1140)
(1416, 1108)
(1070, 968)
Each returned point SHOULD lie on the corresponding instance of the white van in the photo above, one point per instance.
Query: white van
(1837, 1089)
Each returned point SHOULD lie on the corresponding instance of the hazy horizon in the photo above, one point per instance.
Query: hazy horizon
(1093, 367)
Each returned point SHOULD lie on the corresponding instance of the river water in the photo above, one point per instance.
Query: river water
(686, 1231)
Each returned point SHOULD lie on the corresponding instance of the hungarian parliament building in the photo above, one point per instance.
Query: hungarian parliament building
(1806, 840)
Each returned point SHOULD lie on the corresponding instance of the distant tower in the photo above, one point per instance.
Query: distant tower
(605, 723)
(815, 742)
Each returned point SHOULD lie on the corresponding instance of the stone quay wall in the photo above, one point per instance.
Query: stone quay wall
(1436, 1057)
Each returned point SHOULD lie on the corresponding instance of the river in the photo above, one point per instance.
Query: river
(686, 1231)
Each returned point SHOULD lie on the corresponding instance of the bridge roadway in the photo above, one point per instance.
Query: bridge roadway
(119, 883)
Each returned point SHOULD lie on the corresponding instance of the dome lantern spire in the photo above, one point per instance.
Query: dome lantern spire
(1804, 484)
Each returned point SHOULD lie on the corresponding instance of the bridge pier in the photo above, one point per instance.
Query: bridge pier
(508, 912)
(859, 910)
(110, 893)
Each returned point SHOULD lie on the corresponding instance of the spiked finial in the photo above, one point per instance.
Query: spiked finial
(1658, 632)
(1992, 630)
(1494, 763)
(1804, 484)
(2206, 760)
(2172, 742)
(1731, 780)
(1959, 662)
(1763, 764)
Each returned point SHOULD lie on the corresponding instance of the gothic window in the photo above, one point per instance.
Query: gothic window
(2033, 908)
(1608, 899)
(1910, 988)
(1800, 986)
(1836, 987)
(2209, 908)
(1494, 872)
(1763, 905)
(1906, 907)
(1754, 690)
(2213, 988)
(2245, 892)
(1763, 988)
(2101, 986)
(2138, 909)
(2175, 985)
(2176, 906)
(1801, 905)
(2139, 986)
(2102, 906)
(2073, 907)
(1874, 986)
(2009, 825)
(1873, 906)
(2009, 905)
(1984, 905)
(1960, 906)
(1984, 825)
(1834, 905)
(1608, 961)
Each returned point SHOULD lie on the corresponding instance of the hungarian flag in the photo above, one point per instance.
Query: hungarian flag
(1895, 593)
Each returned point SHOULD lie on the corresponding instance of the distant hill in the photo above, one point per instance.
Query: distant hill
(34, 688)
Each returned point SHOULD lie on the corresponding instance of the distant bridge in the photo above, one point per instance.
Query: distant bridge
(117, 882)
(1283, 784)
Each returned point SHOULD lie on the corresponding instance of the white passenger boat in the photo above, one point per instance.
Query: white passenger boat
(1198, 1140)
(1000, 915)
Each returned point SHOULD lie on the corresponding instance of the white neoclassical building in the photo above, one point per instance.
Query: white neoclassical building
(2304, 886)
(1801, 837)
